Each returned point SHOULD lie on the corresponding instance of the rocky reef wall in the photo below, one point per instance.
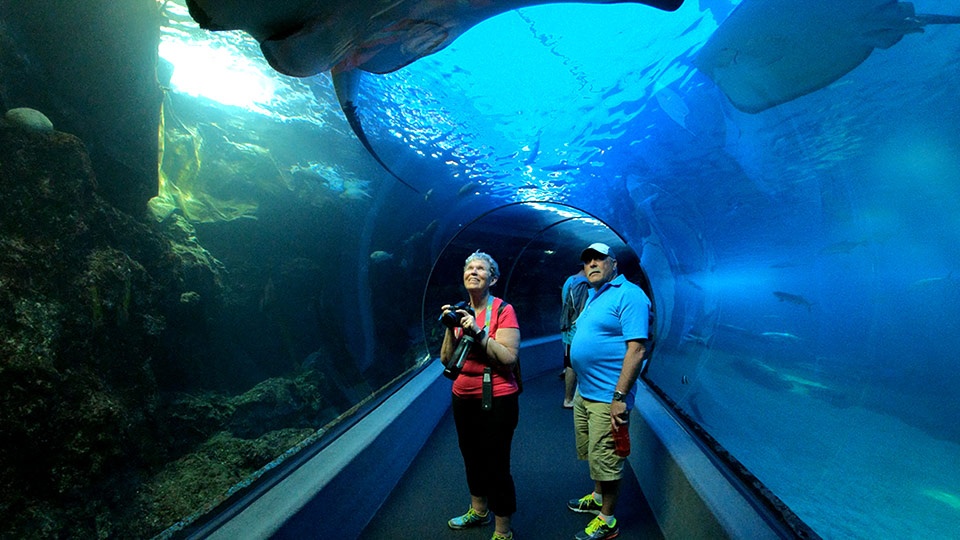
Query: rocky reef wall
(85, 293)
(91, 67)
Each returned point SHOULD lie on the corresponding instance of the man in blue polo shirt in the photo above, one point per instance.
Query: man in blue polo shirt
(606, 353)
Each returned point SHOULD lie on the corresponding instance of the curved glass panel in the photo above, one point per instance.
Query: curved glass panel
(536, 246)
(786, 172)
(783, 246)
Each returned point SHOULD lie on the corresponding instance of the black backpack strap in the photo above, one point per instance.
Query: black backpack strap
(517, 376)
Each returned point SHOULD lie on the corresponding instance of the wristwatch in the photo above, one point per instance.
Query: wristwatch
(619, 396)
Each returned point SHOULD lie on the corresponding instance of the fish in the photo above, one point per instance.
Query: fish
(674, 106)
(693, 284)
(804, 383)
(734, 329)
(793, 299)
(759, 59)
(469, 188)
(950, 499)
(414, 238)
(380, 256)
(760, 374)
(560, 167)
(929, 282)
(696, 339)
(533, 151)
(841, 247)
(781, 336)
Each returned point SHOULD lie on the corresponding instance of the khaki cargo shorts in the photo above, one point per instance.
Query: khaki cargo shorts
(594, 439)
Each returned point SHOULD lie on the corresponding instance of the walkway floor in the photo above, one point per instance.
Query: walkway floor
(545, 470)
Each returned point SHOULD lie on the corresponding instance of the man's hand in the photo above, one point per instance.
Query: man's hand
(618, 415)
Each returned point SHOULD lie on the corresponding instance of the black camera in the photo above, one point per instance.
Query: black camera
(451, 319)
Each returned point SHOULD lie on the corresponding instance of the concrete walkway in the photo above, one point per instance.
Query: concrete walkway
(545, 470)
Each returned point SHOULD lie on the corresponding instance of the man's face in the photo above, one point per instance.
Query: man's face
(599, 269)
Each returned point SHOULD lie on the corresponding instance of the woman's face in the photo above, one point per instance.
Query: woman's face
(476, 276)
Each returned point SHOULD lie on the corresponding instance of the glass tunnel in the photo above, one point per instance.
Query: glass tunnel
(782, 178)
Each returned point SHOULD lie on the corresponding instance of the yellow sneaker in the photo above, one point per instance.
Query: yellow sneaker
(599, 530)
(471, 519)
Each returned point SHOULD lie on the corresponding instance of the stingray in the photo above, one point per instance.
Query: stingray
(769, 52)
(347, 84)
(306, 37)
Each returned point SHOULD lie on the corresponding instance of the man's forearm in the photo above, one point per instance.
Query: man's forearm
(632, 361)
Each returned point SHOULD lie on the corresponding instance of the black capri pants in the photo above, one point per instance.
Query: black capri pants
(485, 439)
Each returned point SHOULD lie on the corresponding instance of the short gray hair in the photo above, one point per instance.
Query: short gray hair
(481, 256)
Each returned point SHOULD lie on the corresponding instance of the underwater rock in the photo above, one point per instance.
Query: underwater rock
(28, 119)
(279, 402)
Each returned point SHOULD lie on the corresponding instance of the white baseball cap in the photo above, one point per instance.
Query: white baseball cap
(597, 247)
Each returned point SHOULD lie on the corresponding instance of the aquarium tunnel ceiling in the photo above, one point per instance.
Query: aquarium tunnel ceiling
(787, 174)
(782, 177)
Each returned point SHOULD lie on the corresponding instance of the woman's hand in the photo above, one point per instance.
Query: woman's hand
(469, 323)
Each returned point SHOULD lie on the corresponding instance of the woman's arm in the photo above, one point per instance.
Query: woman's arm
(448, 347)
(502, 347)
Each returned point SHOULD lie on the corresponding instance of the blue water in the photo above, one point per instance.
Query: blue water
(839, 393)
(843, 400)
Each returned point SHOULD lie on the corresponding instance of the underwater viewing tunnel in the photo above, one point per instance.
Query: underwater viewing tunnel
(228, 228)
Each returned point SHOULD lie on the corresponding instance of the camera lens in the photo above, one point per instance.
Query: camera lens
(450, 318)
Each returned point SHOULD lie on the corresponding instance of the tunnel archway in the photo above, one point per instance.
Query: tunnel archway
(537, 246)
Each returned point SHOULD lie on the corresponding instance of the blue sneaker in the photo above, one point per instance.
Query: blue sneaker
(471, 519)
(599, 530)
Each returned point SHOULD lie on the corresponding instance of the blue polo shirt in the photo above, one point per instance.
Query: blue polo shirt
(619, 311)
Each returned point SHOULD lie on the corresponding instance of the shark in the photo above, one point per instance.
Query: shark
(795, 299)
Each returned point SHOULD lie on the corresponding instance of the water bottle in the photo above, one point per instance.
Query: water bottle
(621, 439)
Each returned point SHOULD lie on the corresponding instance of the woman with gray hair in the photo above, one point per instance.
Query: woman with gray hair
(485, 390)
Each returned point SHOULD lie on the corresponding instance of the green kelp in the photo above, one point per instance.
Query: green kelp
(206, 176)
